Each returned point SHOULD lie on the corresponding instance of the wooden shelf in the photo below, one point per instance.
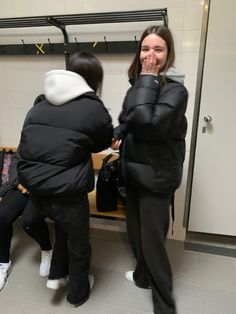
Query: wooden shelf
(119, 214)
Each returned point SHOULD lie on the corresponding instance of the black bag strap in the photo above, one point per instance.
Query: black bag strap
(106, 170)
(108, 157)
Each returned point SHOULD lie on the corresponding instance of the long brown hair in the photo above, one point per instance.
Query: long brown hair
(165, 34)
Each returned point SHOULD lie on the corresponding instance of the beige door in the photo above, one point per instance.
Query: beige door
(213, 200)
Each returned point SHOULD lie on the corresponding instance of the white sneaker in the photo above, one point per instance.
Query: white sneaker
(55, 284)
(4, 272)
(45, 264)
(129, 275)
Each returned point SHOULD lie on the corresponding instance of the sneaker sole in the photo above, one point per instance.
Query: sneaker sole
(53, 286)
(131, 280)
(8, 273)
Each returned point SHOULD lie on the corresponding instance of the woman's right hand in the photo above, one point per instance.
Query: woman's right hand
(115, 144)
(150, 65)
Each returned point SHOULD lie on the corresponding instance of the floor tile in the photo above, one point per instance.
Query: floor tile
(216, 272)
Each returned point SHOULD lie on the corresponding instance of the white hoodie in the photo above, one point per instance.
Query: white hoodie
(174, 75)
(61, 86)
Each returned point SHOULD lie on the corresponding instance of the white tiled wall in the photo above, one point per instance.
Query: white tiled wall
(21, 78)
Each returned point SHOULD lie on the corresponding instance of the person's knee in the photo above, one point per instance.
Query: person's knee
(4, 220)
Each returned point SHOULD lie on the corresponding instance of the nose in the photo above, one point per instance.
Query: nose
(151, 51)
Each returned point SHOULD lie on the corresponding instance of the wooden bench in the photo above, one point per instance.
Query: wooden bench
(118, 214)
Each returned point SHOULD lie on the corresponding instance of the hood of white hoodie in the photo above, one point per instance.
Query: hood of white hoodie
(174, 75)
(61, 86)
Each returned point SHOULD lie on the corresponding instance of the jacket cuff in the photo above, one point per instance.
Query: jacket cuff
(147, 80)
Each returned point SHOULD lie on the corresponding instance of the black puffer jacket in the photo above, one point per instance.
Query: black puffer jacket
(153, 128)
(57, 141)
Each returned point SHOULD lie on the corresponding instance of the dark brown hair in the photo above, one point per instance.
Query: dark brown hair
(166, 35)
(89, 67)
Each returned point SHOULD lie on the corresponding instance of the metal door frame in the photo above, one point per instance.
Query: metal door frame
(197, 103)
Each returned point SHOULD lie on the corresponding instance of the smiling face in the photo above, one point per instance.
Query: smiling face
(154, 44)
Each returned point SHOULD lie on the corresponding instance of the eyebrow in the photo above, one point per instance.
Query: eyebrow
(146, 46)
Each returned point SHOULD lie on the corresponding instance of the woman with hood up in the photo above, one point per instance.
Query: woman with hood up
(151, 137)
(58, 136)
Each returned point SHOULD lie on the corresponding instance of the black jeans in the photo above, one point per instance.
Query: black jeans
(72, 252)
(147, 227)
(13, 205)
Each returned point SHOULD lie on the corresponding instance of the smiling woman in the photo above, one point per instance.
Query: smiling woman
(151, 136)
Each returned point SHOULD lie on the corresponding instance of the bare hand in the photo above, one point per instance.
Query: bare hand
(115, 144)
(150, 65)
(22, 189)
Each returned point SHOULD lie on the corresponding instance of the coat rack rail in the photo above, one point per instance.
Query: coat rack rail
(69, 48)
(61, 21)
(87, 18)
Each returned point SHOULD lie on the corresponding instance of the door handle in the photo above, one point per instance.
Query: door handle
(207, 119)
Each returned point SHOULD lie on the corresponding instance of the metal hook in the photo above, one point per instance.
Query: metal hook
(2, 48)
(76, 41)
(135, 39)
(23, 42)
(49, 42)
(105, 39)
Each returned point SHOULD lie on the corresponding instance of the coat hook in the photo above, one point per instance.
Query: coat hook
(23, 42)
(2, 48)
(49, 42)
(135, 39)
(105, 39)
(95, 44)
(76, 41)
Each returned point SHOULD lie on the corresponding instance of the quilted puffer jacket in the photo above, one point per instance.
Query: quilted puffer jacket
(60, 133)
(153, 128)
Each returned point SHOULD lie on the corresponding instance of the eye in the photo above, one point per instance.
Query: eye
(144, 49)
(158, 50)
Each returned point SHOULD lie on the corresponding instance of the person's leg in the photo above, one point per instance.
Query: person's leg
(79, 252)
(140, 275)
(11, 207)
(59, 263)
(154, 213)
(33, 222)
(59, 260)
(72, 217)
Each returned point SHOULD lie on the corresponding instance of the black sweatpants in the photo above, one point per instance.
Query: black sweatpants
(147, 227)
(72, 252)
(13, 205)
